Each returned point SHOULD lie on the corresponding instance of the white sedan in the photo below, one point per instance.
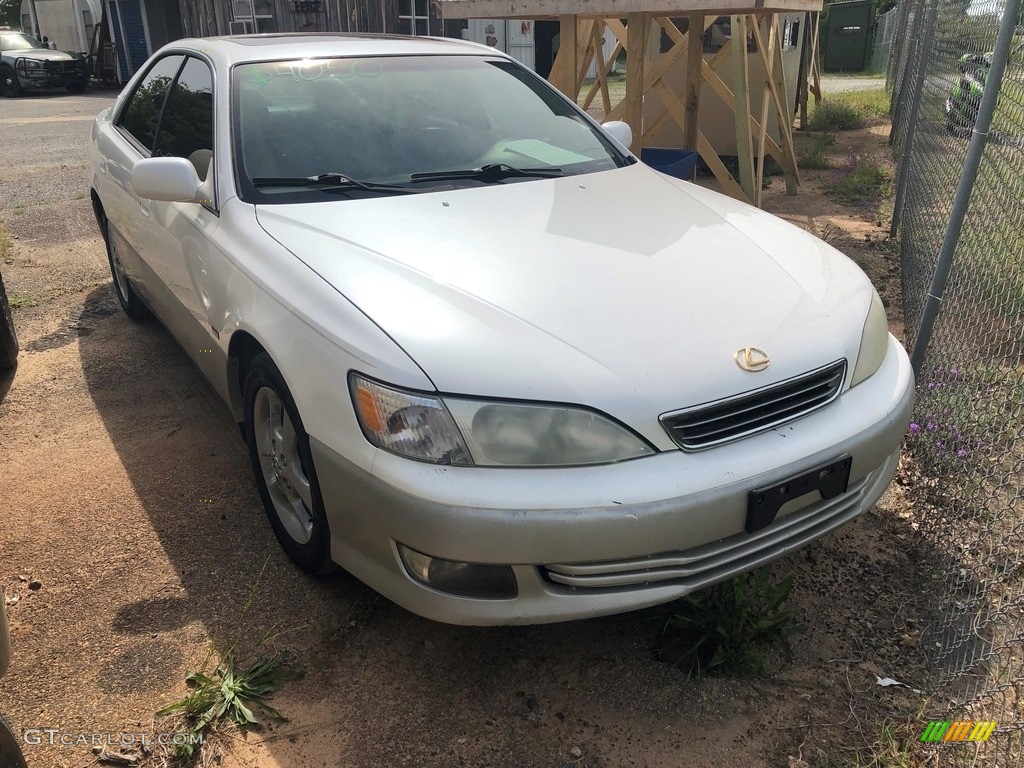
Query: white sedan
(483, 358)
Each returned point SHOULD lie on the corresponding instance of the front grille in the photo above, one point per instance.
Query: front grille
(700, 566)
(62, 66)
(725, 420)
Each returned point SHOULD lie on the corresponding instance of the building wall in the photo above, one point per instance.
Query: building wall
(203, 18)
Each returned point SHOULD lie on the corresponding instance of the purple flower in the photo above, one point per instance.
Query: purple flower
(961, 453)
(915, 428)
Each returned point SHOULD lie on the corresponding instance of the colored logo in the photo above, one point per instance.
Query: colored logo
(958, 730)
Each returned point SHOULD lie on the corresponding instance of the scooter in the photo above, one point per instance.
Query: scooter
(10, 745)
(965, 96)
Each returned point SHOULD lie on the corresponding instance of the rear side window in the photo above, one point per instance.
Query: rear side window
(142, 115)
(186, 129)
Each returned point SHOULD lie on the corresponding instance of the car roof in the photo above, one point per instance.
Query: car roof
(236, 49)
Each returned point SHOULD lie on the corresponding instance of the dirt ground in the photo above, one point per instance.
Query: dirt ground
(128, 498)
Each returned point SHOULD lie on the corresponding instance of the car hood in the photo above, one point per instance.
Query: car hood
(621, 290)
(41, 54)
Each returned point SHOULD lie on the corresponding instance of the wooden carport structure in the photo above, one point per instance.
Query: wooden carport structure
(665, 86)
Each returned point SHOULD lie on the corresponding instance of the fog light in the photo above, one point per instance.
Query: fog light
(464, 579)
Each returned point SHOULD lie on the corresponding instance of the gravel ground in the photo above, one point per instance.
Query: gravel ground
(843, 83)
(129, 498)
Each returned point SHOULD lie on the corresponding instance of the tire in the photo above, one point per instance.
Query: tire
(78, 88)
(9, 85)
(126, 296)
(10, 748)
(8, 338)
(283, 466)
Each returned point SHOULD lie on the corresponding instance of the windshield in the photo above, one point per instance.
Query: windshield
(410, 121)
(16, 41)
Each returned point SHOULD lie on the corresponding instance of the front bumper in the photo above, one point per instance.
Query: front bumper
(589, 541)
(51, 78)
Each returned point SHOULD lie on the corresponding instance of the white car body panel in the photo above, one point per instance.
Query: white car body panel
(542, 314)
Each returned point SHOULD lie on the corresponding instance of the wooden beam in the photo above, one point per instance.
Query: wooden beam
(656, 71)
(766, 61)
(784, 107)
(585, 52)
(638, 26)
(539, 9)
(815, 86)
(563, 71)
(725, 94)
(741, 109)
(694, 80)
(718, 169)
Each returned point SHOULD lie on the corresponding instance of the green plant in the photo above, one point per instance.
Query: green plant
(864, 181)
(726, 628)
(834, 115)
(22, 301)
(226, 694)
(815, 154)
(5, 242)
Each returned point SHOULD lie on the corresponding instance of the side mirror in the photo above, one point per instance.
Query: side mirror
(173, 179)
(620, 131)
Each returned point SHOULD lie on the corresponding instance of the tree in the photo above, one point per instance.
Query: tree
(10, 14)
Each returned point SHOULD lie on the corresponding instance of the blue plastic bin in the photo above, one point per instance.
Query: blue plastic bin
(673, 162)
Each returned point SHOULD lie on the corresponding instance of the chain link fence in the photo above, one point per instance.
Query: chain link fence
(885, 37)
(967, 438)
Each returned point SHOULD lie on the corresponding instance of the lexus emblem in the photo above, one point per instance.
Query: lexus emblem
(752, 359)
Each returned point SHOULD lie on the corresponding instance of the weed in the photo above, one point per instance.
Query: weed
(5, 242)
(815, 155)
(726, 628)
(22, 301)
(229, 694)
(835, 116)
(849, 110)
(865, 181)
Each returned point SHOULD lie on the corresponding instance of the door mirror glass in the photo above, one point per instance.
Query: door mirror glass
(173, 179)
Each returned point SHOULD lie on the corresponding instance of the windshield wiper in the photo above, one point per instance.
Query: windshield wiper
(490, 172)
(333, 180)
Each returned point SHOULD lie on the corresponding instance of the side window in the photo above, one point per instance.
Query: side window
(142, 115)
(187, 126)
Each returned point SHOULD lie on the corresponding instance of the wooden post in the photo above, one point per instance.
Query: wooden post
(762, 34)
(784, 106)
(637, 36)
(815, 86)
(694, 79)
(741, 108)
(563, 71)
(804, 72)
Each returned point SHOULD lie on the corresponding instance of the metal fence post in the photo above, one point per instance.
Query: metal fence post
(968, 175)
(931, 13)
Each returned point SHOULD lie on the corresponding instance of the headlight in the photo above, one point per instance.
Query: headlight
(874, 342)
(463, 432)
(31, 64)
(407, 423)
(527, 435)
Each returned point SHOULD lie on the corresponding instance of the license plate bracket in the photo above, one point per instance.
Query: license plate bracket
(830, 479)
